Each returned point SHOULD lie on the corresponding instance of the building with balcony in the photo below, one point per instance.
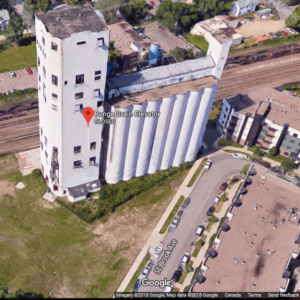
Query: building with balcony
(267, 119)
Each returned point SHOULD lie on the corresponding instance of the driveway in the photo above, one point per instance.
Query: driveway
(202, 198)
(21, 82)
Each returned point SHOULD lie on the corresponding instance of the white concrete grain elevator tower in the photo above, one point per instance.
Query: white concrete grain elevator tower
(72, 50)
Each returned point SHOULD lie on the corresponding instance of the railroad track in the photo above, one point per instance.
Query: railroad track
(18, 122)
(21, 137)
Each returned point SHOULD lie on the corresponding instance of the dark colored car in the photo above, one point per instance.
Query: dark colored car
(136, 286)
(211, 211)
(186, 203)
(177, 274)
(223, 186)
(179, 214)
(28, 70)
(264, 163)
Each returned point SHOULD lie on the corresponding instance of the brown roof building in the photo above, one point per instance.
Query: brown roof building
(257, 253)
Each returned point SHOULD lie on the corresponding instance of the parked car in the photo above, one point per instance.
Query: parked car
(169, 289)
(12, 74)
(175, 222)
(28, 70)
(152, 3)
(150, 265)
(239, 155)
(207, 165)
(276, 169)
(272, 34)
(177, 274)
(199, 230)
(186, 203)
(160, 27)
(217, 199)
(145, 272)
(264, 163)
(185, 259)
(179, 214)
(136, 286)
(158, 250)
(211, 211)
(284, 32)
(223, 186)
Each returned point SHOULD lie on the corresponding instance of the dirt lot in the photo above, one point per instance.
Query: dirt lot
(166, 39)
(21, 82)
(260, 27)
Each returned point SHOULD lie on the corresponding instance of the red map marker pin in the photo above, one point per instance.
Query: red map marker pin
(88, 113)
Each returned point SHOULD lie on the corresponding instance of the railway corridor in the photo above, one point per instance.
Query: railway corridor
(22, 132)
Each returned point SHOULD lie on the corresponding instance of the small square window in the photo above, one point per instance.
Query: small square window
(100, 42)
(45, 99)
(295, 135)
(80, 79)
(41, 131)
(46, 154)
(54, 80)
(66, 82)
(39, 62)
(54, 107)
(92, 161)
(42, 147)
(43, 40)
(97, 75)
(77, 149)
(81, 43)
(99, 103)
(93, 146)
(53, 46)
(78, 107)
(77, 164)
(44, 88)
(46, 141)
(44, 71)
(39, 77)
(54, 97)
(79, 95)
(96, 93)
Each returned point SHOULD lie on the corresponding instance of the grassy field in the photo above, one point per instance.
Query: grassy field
(47, 249)
(17, 57)
(215, 111)
(292, 87)
(19, 96)
(198, 40)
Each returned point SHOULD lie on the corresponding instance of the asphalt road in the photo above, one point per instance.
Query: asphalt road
(202, 198)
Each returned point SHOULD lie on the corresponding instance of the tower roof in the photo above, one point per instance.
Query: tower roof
(64, 23)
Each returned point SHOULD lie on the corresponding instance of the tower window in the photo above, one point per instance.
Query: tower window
(77, 149)
(39, 62)
(99, 103)
(54, 80)
(100, 42)
(54, 107)
(46, 154)
(53, 46)
(93, 146)
(44, 88)
(46, 141)
(42, 147)
(80, 79)
(66, 82)
(45, 98)
(78, 107)
(92, 161)
(81, 43)
(41, 131)
(43, 40)
(96, 93)
(79, 95)
(39, 77)
(97, 75)
(44, 71)
(77, 164)
(54, 97)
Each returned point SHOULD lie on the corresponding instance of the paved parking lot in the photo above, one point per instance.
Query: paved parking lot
(21, 82)
(166, 39)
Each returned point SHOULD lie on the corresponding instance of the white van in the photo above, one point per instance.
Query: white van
(199, 230)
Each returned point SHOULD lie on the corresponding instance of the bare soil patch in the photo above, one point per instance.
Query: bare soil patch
(6, 188)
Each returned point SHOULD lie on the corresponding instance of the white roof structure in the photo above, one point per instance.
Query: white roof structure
(4, 15)
(160, 72)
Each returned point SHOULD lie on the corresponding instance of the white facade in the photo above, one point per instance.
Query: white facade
(137, 146)
(62, 97)
(243, 7)
(4, 19)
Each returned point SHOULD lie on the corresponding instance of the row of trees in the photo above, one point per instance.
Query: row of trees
(187, 15)
(294, 19)
(19, 293)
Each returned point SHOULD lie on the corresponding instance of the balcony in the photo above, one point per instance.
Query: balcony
(268, 139)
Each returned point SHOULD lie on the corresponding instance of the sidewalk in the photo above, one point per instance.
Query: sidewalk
(201, 254)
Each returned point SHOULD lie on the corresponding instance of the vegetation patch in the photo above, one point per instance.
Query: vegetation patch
(19, 96)
(195, 273)
(291, 87)
(182, 277)
(211, 222)
(137, 273)
(223, 142)
(113, 195)
(233, 181)
(211, 240)
(214, 113)
(199, 41)
(277, 158)
(186, 289)
(198, 171)
(176, 290)
(283, 178)
(172, 215)
(220, 224)
(199, 245)
(245, 169)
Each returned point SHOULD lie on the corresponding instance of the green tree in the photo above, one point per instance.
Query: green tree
(145, 56)
(76, 2)
(15, 28)
(294, 19)
(4, 4)
(28, 14)
(257, 152)
(113, 54)
(273, 151)
(19, 293)
(43, 5)
(135, 10)
(169, 21)
(210, 8)
(287, 165)
(164, 7)
(178, 53)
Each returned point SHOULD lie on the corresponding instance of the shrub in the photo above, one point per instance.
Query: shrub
(213, 218)
(257, 152)
(287, 165)
(245, 169)
(273, 151)
(212, 239)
